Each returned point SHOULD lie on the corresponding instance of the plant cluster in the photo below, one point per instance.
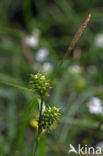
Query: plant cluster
(51, 114)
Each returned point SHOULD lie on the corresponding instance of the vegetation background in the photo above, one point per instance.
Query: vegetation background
(34, 35)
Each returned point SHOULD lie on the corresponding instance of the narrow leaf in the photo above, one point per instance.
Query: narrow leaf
(16, 86)
(21, 132)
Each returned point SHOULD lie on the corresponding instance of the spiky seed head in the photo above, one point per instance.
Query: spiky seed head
(40, 83)
(49, 117)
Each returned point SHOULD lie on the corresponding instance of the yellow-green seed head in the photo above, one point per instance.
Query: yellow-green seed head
(40, 83)
(49, 117)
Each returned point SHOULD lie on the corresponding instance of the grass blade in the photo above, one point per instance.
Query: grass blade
(21, 132)
(16, 86)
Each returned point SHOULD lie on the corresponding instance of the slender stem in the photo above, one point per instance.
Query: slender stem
(39, 129)
(41, 110)
(36, 145)
(41, 107)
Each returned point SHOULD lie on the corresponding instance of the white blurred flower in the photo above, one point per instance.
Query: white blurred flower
(41, 54)
(75, 69)
(95, 106)
(99, 41)
(33, 40)
(47, 67)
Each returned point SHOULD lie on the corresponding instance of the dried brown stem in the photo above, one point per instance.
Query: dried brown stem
(77, 36)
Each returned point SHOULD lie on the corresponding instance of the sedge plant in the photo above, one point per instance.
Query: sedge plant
(40, 86)
(50, 115)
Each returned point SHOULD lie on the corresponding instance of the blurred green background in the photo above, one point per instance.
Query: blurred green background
(34, 35)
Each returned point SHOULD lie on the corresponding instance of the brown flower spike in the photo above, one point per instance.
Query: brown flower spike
(77, 36)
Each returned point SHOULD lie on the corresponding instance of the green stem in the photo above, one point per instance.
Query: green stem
(41, 107)
(41, 110)
(39, 129)
(36, 145)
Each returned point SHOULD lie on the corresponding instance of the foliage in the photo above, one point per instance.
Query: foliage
(53, 25)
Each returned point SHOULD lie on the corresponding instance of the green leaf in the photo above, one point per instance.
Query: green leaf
(42, 146)
(16, 86)
(21, 132)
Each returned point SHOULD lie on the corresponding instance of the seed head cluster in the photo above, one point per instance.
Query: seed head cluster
(49, 117)
(40, 83)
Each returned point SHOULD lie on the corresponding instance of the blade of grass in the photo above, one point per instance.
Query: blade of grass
(21, 132)
(16, 86)
(81, 122)
(27, 12)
